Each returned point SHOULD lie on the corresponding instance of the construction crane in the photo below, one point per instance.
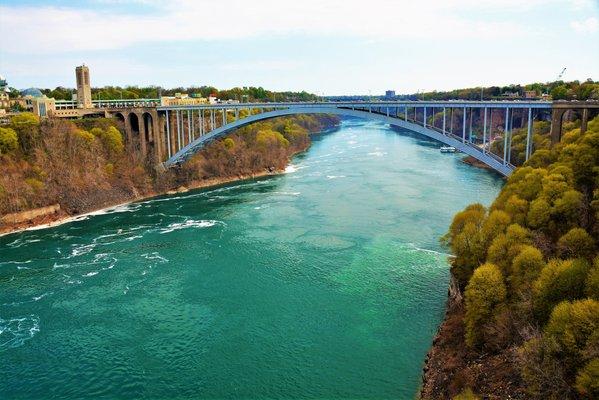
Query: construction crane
(559, 77)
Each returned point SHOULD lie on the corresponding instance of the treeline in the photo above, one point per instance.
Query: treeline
(558, 90)
(529, 270)
(253, 94)
(86, 164)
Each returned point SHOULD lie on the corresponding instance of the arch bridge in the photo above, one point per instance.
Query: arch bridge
(189, 128)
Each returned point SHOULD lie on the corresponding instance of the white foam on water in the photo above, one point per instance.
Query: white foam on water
(154, 256)
(290, 169)
(14, 332)
(288, 193)
(335, 176)
(19, 267)
(377, 153)
(90, 274)
(190, 223)
(41, 296)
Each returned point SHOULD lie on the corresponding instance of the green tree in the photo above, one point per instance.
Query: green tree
(484, 293)
(26, 125)
(8, 140)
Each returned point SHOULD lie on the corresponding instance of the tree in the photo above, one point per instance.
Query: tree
(505, 247)
(571, 326)
(559, 92)
(8, 140)
(591, 287)
(26, 125)
(539, 214)
(484, 293)
(560, 280)
(587, 380)
(526, 267)
(576, 243)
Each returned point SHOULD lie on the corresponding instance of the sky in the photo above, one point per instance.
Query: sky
(328, 47)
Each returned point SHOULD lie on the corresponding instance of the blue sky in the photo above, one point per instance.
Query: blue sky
(322, 46)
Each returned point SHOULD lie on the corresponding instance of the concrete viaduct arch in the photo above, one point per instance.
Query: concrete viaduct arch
(142, 127)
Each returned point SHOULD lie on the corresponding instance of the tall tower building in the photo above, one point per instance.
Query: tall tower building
(84, 90)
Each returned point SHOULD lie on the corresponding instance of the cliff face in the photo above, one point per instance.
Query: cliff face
(61, 164)
(450, 368)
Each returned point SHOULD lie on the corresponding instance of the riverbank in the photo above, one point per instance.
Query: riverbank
(71, 173)
(449, 366)
(61, 217)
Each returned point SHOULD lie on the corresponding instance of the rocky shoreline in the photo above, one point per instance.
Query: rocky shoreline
(61, 217)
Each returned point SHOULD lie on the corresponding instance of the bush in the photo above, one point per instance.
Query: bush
(484, 293)
(576, 243)
(526, 267)
(560, 280)
(26, 125)
(8, 140)
(506, 247)
(111, 138)
(587, 380)
(467, 394)
(229, 143)
(592, 281)
(571, 326)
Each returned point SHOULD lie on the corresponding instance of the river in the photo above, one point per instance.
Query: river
(327, 281)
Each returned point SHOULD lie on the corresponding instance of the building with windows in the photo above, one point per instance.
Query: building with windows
(390, 94)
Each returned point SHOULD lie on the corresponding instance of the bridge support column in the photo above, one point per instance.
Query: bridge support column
(485, 131)
(464, 126)
(444, 115)
(505, 133)
(529, 133)
(557, 116)
(584, 120)
(142, 134)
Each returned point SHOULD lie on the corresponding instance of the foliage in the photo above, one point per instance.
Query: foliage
(8, 140)
(559, 280)
(576, 243)
(574, 326)
(467, 394)
(26, 125)
(587, 380)
(484, 293)
(540, 236)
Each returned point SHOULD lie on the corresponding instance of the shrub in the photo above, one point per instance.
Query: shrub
(571, 325)
(560, 280)
(592, 281)
(576, 243)
(466, 394)
(229, 143)
(587, 380)
(26, 125)
(506, 247)
(111, 138)
(484, 293)
(527, 266)
(8, 140)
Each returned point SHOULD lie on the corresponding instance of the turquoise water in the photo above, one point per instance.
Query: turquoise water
(324, 282)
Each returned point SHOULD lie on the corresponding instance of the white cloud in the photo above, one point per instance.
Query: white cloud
(62, 30)
(589, 25)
